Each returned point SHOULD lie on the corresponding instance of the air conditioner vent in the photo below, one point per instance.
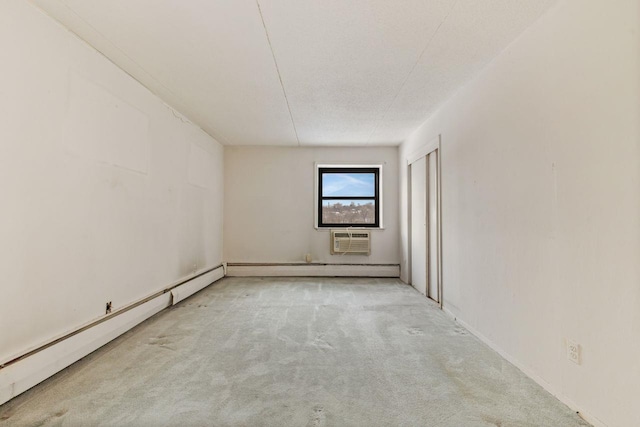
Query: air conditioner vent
(343, 234)
(350, 242)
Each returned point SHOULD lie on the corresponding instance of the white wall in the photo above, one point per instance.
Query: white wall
(107, 194)
(541, 204)
(269, 204)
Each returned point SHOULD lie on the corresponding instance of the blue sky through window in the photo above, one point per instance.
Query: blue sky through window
(348, 184)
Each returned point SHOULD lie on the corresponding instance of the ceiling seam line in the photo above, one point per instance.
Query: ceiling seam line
(164, 102)
(273, 55)
(415, 64)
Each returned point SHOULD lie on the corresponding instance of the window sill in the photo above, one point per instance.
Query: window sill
(344, 228)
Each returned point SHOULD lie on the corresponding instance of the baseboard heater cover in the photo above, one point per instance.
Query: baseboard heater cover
(24, 372)
(181, 292)
(312, 270)
(30, 371)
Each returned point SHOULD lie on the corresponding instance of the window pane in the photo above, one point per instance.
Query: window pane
(349, 184)
(348, 211)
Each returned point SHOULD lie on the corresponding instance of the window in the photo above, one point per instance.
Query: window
(348, 196)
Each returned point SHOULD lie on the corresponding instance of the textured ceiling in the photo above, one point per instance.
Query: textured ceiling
(300, 72)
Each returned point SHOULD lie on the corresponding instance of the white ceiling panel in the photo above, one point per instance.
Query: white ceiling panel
(308, 72)
(475, 32)
(342, 62)
(210, 59)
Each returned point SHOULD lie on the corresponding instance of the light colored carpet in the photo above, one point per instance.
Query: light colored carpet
(293, 352)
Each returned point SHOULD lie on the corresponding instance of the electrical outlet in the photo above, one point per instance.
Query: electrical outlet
(573, 352)
(108, 308)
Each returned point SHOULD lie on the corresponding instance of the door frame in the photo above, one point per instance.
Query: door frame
(433, 146)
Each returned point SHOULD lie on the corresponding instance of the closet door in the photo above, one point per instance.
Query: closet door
(419, 225)
(433, 208)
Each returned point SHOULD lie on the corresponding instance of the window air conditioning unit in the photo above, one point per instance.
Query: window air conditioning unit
(356, 242)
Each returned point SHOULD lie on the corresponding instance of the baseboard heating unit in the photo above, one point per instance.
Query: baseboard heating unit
(312, 270)
(20, 373)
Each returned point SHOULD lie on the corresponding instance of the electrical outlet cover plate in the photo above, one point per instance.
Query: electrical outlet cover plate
(573, 352)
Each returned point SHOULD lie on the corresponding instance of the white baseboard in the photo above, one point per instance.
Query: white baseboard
(313, 270)
(26, 373)
(191, 287)
(588, 417)
(20, 376)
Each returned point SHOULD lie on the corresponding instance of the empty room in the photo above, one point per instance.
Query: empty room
(320, 213)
